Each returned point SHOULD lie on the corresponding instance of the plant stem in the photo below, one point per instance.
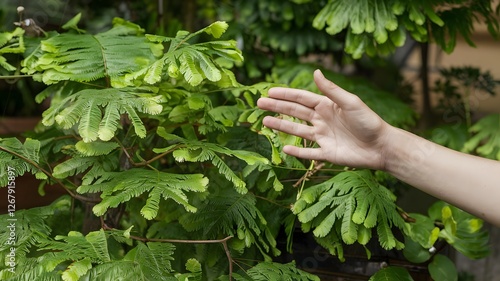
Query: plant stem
(8, 77)
(223, 241)
(33, 163)
(270, 201)
(146, 162)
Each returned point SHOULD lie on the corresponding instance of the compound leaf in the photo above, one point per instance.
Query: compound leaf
(86, 57)
(486, 141)
(89, 105)
(17, 158)
(276, 271)
(198, 151)
(345, 202)
(120, 187)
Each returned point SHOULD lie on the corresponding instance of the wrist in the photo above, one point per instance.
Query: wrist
(406, 155)
(395, 142)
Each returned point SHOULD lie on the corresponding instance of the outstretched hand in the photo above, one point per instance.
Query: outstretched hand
(347, 131)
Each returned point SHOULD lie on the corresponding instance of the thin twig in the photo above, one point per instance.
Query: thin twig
(223, 241)
(315, 167)
(70, 192)
(270, 201)
(8, 77)
(145, 162)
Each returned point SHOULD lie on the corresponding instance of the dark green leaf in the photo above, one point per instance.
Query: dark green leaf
(443, 269)
(414, 252)
(392, 273)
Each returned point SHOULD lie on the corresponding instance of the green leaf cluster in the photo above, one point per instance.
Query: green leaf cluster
(380, 26)
(459, 229)
(115, 87)
(459, 88)
(196, 151)
(284, 26)
(79, 257)
(232, 214)
(275, 271)
(155, 135)
(66, 57)
(11, 43)
(97, 111)
(195, 62)
(346, 208)
(17, 158)
(486, 138)
(101, 110)
(31, 229)
(119, 187)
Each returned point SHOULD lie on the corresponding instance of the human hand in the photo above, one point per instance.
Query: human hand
(347, 131)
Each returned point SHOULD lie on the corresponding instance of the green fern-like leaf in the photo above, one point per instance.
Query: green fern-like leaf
(145, 262)
(197, 151)
(73, 166)
(17, 158)
(98, 111)
(75, 247)
(234, 214)
(368, 24)
(127, 270)
(271, 180)
(95, 148)
(91, 259)
(196, 62)
(227, 115)
(120, 187)
(29, 270)
(11, 43)
(92, 168)
(265, 271)
(460, 22)
(380, 26)
(332, 242)
(345, 202)
(85, 57)
(30, 228)
(195, 108)
(450, 135)
(486, 141)
(76, 270)
(194, 268)
(154, 259)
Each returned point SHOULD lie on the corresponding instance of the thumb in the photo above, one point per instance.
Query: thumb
(338, 95)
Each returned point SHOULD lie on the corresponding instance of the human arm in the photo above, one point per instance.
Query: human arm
(349, 133)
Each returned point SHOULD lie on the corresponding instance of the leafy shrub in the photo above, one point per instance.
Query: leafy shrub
(158, 137)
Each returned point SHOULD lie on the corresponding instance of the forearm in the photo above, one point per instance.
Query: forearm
(468, 182)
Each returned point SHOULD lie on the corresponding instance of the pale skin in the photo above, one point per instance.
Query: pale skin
(349, 133)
